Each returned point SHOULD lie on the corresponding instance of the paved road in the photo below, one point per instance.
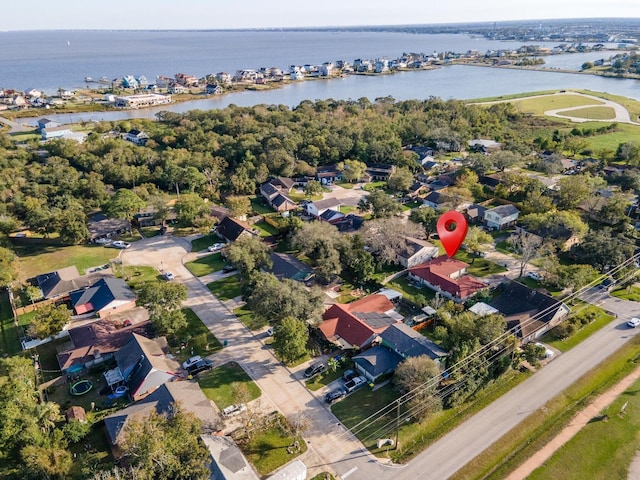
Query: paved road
(15, 127)
(282, 388)
(329, 442)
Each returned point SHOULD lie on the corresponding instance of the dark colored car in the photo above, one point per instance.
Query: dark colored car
(200, 366)
(334, 395)
(348, 375)
(229, 268)
(315, 369)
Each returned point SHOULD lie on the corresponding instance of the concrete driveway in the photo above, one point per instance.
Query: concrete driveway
(348, 196)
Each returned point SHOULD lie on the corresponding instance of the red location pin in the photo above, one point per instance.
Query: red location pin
(452, 228)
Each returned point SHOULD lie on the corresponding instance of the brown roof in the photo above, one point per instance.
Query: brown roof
(358, 321)
(102, 336)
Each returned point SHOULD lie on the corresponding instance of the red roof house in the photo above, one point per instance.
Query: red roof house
(357, 323)
(448, 277)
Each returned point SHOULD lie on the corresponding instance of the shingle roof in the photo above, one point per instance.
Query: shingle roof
(438, 272)
(409, 343)
(268, 189)
(231, 229)
(65, 280)
(101, 294)
(358, 321)
(188, 394)
(144, 364)
(504, 210)
(328, 203)
(288, 266)
(281, 199)
(378, 360)
(518, 303)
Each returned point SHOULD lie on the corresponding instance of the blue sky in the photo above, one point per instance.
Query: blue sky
(222, 14)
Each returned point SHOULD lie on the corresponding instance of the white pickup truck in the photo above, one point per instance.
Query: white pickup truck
(354, 384)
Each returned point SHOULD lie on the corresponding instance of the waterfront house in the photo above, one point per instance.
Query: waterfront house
(176, 88)
(44, 123)
(137, 137)
(142, 100)
(224, 77)
(129, 81)
(55, 132)
(186, 80)
(213, 89)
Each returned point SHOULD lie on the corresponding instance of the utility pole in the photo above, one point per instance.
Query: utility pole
(397, 422)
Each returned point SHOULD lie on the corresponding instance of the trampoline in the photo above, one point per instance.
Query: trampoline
(81, 387)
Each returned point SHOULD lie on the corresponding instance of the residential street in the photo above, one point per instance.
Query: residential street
(329, 442)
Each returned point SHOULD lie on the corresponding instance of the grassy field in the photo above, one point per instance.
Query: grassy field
(610, 141)
(593, 113)
(217, 384)
(513, 96)
(39, 259)
(206, 265)
(539, 105)
(409, 292)
(227, 288)
(137, 275)
(480, 267)
(602, 449)
(202, 341)
(537, 430)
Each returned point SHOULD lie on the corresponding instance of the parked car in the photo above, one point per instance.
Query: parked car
(102, 241)
(216, 247)
(354, 384)
(534, 275)
(200, 366)
(168, 275)
(192, 361)
(120, 244)
(229, 268)
(315, 369)
(348, 375)
(270, 332)
(232, 410)
(634, 322)
(334, 395)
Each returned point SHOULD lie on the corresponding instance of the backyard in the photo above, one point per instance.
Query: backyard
(37, 259)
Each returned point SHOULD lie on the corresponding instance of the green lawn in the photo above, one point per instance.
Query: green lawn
(268, 451)
(37, 259)
(202, 243)
(206, 265)
(137, 275)
(539, 105)
(9, 338)
(357, 407)
(480, 267)
(248, 319)
(600, 321)
(216, 384)
(319, 381)
(593, 113)
(265, 229)
(375, 185)
(409, 292)
(201, 342)
(149, 232)
(631, 292)
(601, 449)
(624, 133)
(259, 205)
(227, 288)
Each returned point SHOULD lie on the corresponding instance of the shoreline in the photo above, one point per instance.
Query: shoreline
(93, 106)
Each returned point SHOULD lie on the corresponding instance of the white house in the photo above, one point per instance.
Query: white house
(318, 208)
(137, 137)
(55, 132)
(501, 217)
(416, 251)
